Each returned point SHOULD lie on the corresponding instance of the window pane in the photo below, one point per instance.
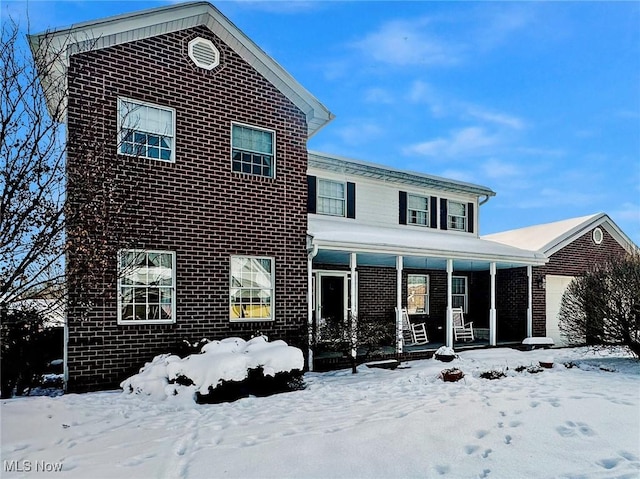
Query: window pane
(456, 208)
(418, 203)
(146, 285)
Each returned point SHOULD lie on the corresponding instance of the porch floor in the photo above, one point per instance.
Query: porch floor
(331, 360)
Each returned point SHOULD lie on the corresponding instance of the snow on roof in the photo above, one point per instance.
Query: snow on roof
(352, 236)
(550, 237)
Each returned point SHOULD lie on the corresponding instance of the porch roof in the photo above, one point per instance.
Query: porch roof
(340, 235)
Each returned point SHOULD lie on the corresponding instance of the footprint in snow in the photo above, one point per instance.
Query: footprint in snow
(481, 433)
(570, 428)
(484, 474)
(471, 448)
(507, 439)
(515, 423)
(486, 453)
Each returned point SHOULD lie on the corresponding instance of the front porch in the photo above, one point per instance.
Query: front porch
(371, 282)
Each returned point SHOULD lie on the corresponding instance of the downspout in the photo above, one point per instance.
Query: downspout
(312, 251)
(486, 198)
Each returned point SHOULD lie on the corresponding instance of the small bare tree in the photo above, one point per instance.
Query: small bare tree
(602, 307)
(32, 171)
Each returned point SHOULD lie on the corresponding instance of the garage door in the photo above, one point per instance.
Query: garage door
(556, 286)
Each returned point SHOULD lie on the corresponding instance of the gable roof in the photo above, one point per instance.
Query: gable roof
(551, 237)
(60, 44)
(341, 164)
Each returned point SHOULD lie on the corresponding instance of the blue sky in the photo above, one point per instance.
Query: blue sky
(539, 101)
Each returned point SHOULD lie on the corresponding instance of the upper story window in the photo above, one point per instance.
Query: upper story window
(418, 294)
(253, 150)
(331, 197)
(146, 286)
(457, 216)
(418, 210)
(251, 292)
(146, 130)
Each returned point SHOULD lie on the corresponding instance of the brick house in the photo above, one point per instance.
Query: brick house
(572, 246)
(214, 220)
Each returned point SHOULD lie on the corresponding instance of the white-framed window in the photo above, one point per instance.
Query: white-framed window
(146, 286)
(146, 130)
(252, 150)
(331, 197)
(459, 293)
(418, 210)
(251, 288)
(418, 294)
(457, 216)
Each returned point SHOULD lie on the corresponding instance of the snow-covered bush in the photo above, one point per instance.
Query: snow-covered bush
(224, 370)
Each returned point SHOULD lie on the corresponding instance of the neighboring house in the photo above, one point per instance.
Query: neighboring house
(233, 227)
(573, 246)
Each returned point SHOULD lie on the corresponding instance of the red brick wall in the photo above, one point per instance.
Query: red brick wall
(573, 260)
(196, 206)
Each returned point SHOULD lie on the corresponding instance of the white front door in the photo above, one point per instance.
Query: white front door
(555, 288)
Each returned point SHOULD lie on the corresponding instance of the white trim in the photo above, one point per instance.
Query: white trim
(399, 335)
(273, 147)
(343, 199)
(529, 301)
(465, 217)
(466, 292)
(319, 274)
(198, 63)
(272, 308)
(449, 321)
(173, 288)
(492, 310)
(597, 235)
(427, 211)
(139, 25)
(157, 106)
(427, 294)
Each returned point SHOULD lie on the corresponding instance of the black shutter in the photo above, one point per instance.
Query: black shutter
(433, 212)
(311, 194)
(443, 214)
(351, 200)
(470, 218)
(403, 207)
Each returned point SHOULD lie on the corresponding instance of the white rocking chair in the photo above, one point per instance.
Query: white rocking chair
(412, 334)
(461, 331)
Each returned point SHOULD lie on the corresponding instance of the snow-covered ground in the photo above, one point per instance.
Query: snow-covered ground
(578, 422)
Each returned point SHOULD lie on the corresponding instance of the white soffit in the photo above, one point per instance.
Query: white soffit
(158, 21)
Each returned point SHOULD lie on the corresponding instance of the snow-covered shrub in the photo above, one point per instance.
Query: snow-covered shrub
(232, 365)
(493, 374)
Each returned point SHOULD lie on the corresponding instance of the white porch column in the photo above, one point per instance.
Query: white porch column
(310, 310)
(399, 266)
(448, 335)
(492, 311)
(353, 302)
(529, 301)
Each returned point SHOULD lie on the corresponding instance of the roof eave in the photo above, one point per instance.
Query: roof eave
(125, 28)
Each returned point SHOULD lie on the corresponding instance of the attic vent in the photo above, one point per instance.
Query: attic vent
(597, 236)
(204, 53)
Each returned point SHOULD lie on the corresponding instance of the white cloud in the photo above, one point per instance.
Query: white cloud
(498, 118)
(628, 212)
(359, 133)
(553, 197)
(408, 42)
(497, 169)
(465, 142)
(379, 96)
